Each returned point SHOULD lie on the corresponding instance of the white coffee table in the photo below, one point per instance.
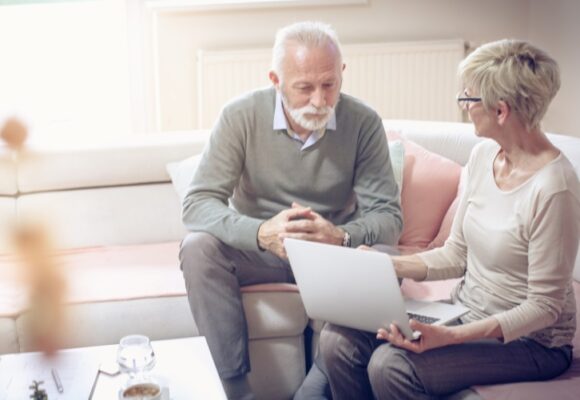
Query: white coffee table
(185, 366)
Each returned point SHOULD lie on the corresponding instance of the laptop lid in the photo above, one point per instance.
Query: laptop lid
(355, 288)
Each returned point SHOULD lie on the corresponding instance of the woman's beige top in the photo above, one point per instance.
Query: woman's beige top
(515, 249)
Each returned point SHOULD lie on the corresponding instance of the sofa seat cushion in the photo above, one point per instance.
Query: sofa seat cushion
(102, 274)
(564, 387)
(124, 273)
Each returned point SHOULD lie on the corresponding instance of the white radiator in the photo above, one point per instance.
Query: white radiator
(412, 80)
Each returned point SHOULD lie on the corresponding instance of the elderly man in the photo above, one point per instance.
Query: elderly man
(297, 160)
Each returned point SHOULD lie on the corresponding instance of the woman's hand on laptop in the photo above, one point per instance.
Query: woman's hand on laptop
(432, 337)
(410, 266)
(366, 248)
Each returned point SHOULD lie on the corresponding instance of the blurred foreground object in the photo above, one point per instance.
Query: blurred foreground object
(14, 133)
(46, 286)
(37, 392)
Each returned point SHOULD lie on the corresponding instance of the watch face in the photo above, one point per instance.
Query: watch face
(346, 240)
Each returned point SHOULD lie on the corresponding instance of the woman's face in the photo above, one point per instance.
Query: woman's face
(482, 119)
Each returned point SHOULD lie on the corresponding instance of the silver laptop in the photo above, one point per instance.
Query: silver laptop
(358, 289)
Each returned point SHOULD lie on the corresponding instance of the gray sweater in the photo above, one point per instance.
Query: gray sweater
(346, 176)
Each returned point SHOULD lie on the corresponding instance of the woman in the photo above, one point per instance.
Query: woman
(514, 241)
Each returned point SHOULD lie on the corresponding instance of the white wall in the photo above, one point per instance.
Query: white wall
(554, 27)
(64, 70)
(179, 36)
(549, 24)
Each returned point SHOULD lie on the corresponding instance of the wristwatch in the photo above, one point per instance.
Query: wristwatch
(346, 239)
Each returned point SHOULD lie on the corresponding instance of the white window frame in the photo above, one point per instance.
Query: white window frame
(197, 5)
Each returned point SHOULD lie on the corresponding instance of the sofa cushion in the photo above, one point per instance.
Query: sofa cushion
(428, 291)
(429, 187)
(106, 322)
(12, 297)
(8, 185)
(274, 314)
(118, 281)
(115, 161)
(445, 227)
(278, 366)
(127, 215)
(102, 274)
(7, 218)
(181, 173)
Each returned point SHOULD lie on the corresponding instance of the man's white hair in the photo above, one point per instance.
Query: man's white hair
(309, 34)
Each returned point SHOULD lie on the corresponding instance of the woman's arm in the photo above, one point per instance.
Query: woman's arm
(434, 336)
(553, 245)
(551, 253)
(411, 267)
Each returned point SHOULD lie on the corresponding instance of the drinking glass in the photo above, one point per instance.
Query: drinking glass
(135, 357)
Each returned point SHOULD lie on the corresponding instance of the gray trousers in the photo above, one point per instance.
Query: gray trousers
(214, 273)
(362, 367)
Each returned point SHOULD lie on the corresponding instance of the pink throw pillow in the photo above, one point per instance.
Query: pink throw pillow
(445, 228)
(429, 187)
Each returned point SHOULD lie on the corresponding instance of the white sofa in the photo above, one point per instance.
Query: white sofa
(116, 217)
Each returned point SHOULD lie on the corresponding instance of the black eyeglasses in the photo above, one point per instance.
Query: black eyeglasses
(464, 101)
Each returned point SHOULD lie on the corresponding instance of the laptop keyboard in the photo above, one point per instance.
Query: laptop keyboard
(424, 319)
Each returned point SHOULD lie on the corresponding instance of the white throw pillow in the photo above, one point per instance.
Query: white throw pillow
(181, 173)
(397, 152)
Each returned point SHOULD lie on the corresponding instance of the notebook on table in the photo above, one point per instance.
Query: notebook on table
(358, 289)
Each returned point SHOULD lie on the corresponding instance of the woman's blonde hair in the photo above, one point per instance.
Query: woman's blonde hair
(514, 71)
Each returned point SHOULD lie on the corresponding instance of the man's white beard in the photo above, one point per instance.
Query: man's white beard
(299, 115)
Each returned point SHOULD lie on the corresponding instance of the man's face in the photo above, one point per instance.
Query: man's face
(310, 84)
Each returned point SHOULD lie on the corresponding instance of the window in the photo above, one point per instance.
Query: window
(80, 69)
(65, 67)
(175, 5)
